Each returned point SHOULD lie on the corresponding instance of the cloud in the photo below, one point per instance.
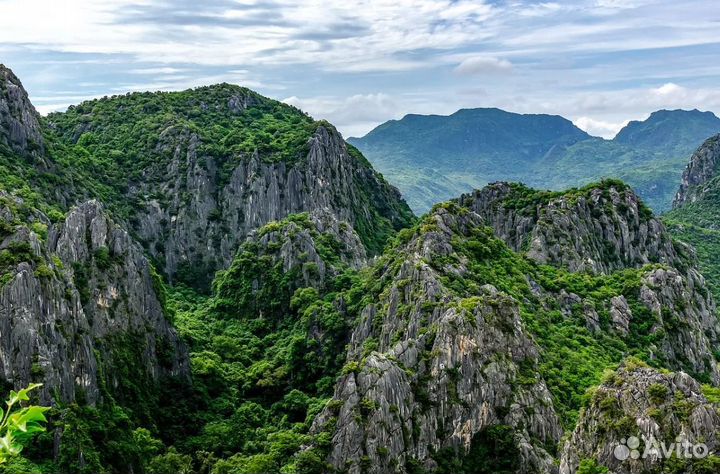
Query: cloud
(360, 63)
(599, 128)
(354, 115)
(483, 65)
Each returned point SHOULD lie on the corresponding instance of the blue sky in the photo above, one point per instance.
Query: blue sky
(599, 63)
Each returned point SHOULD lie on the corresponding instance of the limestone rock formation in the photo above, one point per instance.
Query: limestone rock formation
(702, 169)
(19, 121)
(430, 372)
(597, 229)
(73, 299)
(647, 405)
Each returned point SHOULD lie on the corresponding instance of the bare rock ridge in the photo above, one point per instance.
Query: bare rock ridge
(598, 229)
(73, 297)
(704, 166)
(430, 372)
(206, 229)
(647, 405)
(19, 121)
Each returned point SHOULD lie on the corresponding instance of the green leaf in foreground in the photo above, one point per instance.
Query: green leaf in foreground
(19, 423)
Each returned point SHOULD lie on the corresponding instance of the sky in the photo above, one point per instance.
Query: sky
(360, 63)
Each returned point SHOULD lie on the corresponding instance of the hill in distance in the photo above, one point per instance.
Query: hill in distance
(432, 158)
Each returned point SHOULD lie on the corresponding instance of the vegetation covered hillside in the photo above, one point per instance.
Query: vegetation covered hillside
(210, 282)
(194, 172)
(433, 158)
(695, 217)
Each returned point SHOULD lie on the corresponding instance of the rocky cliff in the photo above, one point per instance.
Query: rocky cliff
(460, 338)
(19, 122)
(203, 168)
(702, 169)
(644, 420)
(599, 229)
(80, 307)
(434, 373)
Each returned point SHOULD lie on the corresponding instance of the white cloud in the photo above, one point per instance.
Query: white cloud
(354, 115)
(483, 65)
(669, 90)
(599, 128)
(155, 71)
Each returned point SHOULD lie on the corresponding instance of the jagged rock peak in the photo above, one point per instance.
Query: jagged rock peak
(221, 161)
(78, 302)
(599, 228)
(703, 167)
(431, 373)
(313, 247)
(633, 406)
(19, 121)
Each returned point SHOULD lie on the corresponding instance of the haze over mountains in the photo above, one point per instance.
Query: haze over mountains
(432, 158)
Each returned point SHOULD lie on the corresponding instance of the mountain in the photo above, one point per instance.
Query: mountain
(696, 209)
(95, 199)
(474, 350)
(432, 158)
(193, 172)
(209, 281)
(674, 130)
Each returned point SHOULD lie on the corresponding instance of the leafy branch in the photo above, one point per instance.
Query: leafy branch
(20, 425)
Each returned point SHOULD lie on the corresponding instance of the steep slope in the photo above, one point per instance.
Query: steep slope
(69, 294)
(194, 172)
(81, 311)
(460, 340)
(695, 216)
(474, 147)
(699, 178)
(437, 369)
(656, 409)
(19, 122)
(596, 229)
(269, 343)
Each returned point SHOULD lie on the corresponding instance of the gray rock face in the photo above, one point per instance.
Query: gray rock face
(203, 220)
(686, 315)
(427, 370)
(315, 247)
(19, 121)
(703, 167)
(86, 296)
(643, 403)
(597, 231)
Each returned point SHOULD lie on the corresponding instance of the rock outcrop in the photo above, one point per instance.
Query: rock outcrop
(602, 229)
(200, 191)
(80, 302)
(704, 166)
(429, 371)
(597, 229)
(634, 413)
(207, 229)
(303, 250)
(19, 121)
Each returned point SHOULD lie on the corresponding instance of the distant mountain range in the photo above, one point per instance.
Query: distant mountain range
(432, 158)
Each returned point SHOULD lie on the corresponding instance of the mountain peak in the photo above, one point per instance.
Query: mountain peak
(704, 167)
(665, 129)
(19, 121)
